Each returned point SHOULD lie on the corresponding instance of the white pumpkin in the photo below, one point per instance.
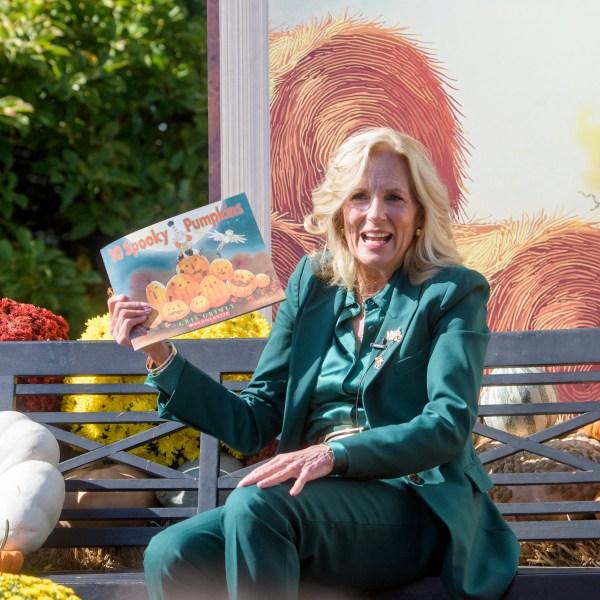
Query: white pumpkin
(521, 425)
(32, 489)
(23, 439)
(31, 498)
(179, 498)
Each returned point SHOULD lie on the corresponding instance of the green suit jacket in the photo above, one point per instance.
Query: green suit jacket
(421, 405)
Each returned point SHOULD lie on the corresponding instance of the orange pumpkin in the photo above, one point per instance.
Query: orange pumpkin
(11, 561)
(593, 430)
(182, 287)
(156, 294)
(200, 304)
(113, 499)
(262, 280)
(242, 283)
(174, 310)
(221, 268)
(196, 266)
(215, 290)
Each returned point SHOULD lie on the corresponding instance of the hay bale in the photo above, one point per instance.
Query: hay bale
(84, 559)
(552, 283)
(333, 77)
(560, 554)
(527, 462)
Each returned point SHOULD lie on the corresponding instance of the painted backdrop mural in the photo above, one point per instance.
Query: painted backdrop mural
(505, 97)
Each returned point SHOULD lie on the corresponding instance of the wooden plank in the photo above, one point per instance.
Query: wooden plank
(556, 530)
(7, 387)
(92, 537)
(529, 584)
(62, 418)
(105, 485)
(65, 389)
(129, 443)
(549, 508)
(549, 408)
(87, 514)
(208, 489)
(533, 444)
(102, 585)
(109, 358)
(539, 348)
(544, 378)
(556, 431)
(548, 478)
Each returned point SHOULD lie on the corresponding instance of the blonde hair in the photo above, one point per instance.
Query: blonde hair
(429, 252)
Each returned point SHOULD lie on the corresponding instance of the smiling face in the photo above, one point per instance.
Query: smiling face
(380, 218)
(242, 283)
(221, 268)
(196, 265)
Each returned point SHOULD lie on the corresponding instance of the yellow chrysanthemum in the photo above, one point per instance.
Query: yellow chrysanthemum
(171, 450)
(26, 587)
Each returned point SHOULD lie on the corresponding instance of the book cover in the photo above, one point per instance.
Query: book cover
(195, 269)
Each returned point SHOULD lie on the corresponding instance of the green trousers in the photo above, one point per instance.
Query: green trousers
(343, 534)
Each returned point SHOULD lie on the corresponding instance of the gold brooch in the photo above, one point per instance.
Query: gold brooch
(378, 362)
(393, 335)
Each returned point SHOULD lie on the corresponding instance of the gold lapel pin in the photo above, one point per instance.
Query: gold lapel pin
(393, 335)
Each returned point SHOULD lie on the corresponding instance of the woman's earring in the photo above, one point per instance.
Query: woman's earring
(418, 232)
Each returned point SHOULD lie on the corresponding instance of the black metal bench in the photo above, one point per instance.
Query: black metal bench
(569, 355)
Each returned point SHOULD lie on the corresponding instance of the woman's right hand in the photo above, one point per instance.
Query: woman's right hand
(125, 314)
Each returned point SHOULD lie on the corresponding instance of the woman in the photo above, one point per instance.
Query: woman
(371, 375)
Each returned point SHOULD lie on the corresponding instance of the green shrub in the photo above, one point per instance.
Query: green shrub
(103, 130)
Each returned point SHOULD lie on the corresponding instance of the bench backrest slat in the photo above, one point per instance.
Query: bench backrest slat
(551, 347)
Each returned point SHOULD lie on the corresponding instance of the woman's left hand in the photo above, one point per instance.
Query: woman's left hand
(305, 465)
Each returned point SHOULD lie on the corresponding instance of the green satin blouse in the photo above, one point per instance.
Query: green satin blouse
(334, 403)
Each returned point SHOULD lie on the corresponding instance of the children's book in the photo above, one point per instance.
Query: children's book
(195, 269)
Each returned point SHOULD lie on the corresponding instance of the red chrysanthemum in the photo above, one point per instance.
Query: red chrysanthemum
(20, 322)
